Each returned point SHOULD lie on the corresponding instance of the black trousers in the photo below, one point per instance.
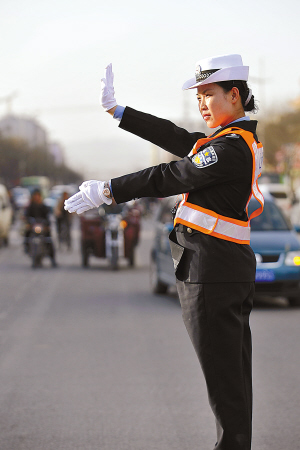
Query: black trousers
(216, 316)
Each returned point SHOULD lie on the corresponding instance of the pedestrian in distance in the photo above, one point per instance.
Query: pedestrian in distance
(63, 221)
(214, 263)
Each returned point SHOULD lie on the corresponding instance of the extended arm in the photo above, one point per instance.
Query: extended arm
(217, 164)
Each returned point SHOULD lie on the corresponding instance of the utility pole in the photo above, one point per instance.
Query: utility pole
(8, 99)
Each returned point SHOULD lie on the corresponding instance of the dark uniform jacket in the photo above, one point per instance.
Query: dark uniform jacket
(38, 211)
(223, 186)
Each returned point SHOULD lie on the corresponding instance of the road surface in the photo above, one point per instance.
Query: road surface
(91, 360)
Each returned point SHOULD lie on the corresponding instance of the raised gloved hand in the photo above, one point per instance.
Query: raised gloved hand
(107, 97)
(90, 196)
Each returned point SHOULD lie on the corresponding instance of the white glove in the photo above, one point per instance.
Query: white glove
(90, 196)
(107, 97)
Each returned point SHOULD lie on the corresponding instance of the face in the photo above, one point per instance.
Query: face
(37, 198)
(217, 107)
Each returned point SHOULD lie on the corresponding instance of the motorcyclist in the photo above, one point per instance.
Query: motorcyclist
(114, 208)
(39, 211)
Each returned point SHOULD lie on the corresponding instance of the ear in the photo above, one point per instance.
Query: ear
(235, 95)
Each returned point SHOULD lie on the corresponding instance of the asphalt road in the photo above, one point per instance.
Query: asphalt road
(91, 360)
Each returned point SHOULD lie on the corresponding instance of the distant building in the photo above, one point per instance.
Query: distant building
(57, 152)
(24, 128)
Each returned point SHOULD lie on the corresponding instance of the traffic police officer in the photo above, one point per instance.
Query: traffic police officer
(214, 264)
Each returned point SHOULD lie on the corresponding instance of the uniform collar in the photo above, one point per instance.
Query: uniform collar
(240, 119)
(247, 125)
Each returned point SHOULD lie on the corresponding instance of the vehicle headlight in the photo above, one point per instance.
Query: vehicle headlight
(292, 259)
(258, 258)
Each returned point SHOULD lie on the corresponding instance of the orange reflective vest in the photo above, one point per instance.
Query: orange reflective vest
(208, 221)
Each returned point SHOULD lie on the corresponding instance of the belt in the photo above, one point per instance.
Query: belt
(184, 229)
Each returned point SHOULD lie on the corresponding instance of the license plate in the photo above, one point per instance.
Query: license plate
(264, 275)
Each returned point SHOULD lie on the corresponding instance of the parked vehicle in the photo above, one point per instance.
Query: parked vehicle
(273, 239)
(6, 215)
(110, 234)
(21, 197)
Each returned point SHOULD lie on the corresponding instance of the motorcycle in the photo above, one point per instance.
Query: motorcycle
(38, 242)
(110, 235)
(114, 239)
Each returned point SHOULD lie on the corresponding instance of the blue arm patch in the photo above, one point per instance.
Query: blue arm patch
(205, 158)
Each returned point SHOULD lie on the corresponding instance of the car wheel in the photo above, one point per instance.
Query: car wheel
(157, 287)
(294, 301)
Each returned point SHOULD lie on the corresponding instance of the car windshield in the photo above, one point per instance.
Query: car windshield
(270, 219)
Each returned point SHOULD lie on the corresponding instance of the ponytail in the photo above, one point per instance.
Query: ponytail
(248, 102)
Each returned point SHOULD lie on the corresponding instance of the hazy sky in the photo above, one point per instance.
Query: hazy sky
(54, 54)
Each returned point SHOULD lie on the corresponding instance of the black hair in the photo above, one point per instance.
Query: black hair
(243, 88)
(36, 191)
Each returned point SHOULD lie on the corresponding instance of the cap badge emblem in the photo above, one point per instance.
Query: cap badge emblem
(198, 70)
(201, 75)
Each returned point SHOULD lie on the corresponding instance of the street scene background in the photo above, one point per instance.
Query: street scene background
(90, 357)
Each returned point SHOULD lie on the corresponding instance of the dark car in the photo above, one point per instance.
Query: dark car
(273, 239)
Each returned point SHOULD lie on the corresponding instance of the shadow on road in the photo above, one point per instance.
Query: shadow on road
(267, 302)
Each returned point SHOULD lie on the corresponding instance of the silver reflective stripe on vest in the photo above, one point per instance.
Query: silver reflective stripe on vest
(213, 224)
(196, 217)
(232, 230)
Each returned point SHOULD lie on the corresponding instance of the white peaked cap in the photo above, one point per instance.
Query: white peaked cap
(218, 68)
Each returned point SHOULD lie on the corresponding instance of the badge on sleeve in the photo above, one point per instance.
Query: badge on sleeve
(205, 158)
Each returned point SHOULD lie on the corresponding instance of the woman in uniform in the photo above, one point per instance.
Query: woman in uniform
(214, 263)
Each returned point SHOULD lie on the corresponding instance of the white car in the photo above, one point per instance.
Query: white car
(21, 197)
(6, 214)
(281, 193)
